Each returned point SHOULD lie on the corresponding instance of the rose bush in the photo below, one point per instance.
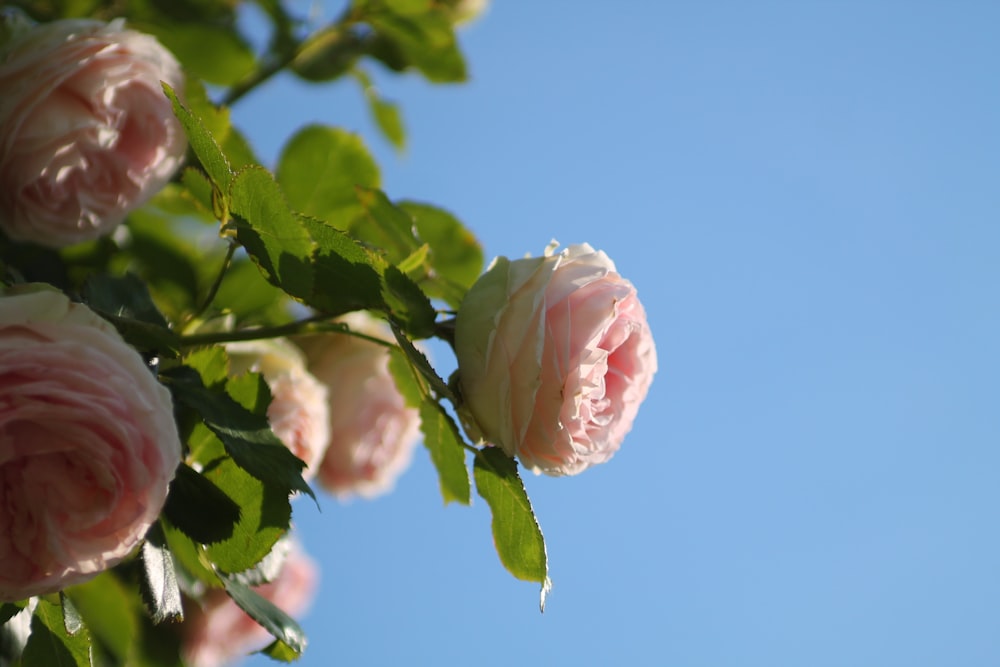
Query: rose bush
(372, 430)
(217, 632)
(554, 356)
(299, 412)
(86, 133)
(88, 443)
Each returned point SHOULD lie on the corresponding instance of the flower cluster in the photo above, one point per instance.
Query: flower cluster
(157, 421)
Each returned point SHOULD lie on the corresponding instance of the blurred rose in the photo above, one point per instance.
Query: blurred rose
(218, 632)
(298, 412)
(88, 444)
(554, 356)
(372, 430)
(86, 133)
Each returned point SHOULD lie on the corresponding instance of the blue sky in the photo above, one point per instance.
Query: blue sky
(805, 195)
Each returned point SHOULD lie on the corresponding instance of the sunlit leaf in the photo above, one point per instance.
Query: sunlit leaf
(423, 366)
(281, 626)
(265, 517)
(199, 508)
(246, 435)
(516, 534)
(445, 446)
(158, 583)
(456, 256)
(209, 51)
(271, 233)
(107, 609)
(50, 645)
(385, 225)
(319, 169)
(212, 159)
(280, 651)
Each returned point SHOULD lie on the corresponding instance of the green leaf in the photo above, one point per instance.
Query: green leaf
(126, 302)
(272, 234)
(166, 260)
(385, 225)
(402, 373)
(212, 364)
(456, 256)
(318, 170)
(425, 41)
(280, 651)
(281, 626)
(347, 276)
(265, 517)
(389, 120)
(245, 293)
(107, 609)
(9, 610)
(203, 144)
(158, 584)
(212, 52)
(420, 363)
(50, 645)
(408, 305)
(72, 622)
(445, 446)
(190, 559)
(200, 509)
(246, 435)
(328, 54)
(386, 115)
(516, 534)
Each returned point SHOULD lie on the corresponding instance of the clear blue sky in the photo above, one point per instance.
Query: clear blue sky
(806, 195)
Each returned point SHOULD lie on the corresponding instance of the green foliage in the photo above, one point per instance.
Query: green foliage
(126, 302)
(229, 251)
(158, 585)
(199, 508)
(445, 445)
(51, 644)
(109, 611)
(282, 626)
(516, 534)
(319, 169)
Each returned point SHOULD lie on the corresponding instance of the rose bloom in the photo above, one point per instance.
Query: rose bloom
(86, 133)
(554, 358)
(88, 444)
(218, 632)
(372, 430)
(299, 412)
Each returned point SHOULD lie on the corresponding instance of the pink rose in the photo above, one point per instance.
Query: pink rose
(218, 632)
(554, 357)
(372, 430)
(88, 444)
(299, 412)
(86, 133)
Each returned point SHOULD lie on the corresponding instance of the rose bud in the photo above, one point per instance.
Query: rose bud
(554, 358)
(217, 632)
(372, 430)
(298, 413)
(86, 133)
(88, 444)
